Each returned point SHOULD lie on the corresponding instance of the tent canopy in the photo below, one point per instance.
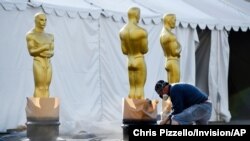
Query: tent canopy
(89, 69)
(225, 15)
(222, 14)
(180, 8)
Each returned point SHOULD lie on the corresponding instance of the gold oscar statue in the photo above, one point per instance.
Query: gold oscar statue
(134, 44)
(42, 111)
(172, 49)
(41, 47)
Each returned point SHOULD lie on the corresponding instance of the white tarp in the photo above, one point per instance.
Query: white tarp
(188, 68)
(76, 79)
(243, 7)
(227, 17)
(89, 69)
(117, 9)
(240, 5)
(181, 9)
(218, 76)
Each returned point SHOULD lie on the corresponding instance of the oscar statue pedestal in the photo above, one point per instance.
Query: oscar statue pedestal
(42, 119)
(166, 109)
(138, 112)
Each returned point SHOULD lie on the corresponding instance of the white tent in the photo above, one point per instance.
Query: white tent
(89, 69)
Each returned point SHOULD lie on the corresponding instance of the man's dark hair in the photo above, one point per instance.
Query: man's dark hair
(159, 86)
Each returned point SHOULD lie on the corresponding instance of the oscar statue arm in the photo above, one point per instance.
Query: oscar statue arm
(51, 52)
(123, 45)
(178, 50)
(144, 35)
(34, 50)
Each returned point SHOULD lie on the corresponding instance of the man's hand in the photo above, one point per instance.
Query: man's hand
(165, 121)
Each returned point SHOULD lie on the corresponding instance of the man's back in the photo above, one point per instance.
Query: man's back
(185, 95)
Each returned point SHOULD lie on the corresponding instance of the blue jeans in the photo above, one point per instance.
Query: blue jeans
(198, 114)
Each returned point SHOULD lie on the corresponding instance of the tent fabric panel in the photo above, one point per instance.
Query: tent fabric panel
(115, 83)
(83, 57)
(179, 8)
(188, 38)
(75, 79)
(71, 9)
(218, 76)
(224, 14)
(239, 5)
(120, 7)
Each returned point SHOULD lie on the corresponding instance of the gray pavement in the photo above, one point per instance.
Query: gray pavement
(97, 133)
(82, 136)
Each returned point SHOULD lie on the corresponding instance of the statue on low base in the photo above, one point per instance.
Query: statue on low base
(134, 44)
(42, 111)
(172, 50)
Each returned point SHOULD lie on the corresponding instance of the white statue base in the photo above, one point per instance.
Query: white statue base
(138, 112)
(42, 119)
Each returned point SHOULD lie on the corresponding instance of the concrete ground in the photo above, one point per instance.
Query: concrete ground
(82, 136)
(97, 133)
